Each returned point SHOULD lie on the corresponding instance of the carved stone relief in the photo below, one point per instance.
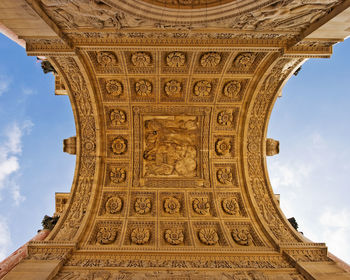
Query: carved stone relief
(243, 234)
(171, 146)
(140, 233)
(175, 274)
(113, 204)
(143, 204)
(231, 204)
(173, 204)
(209, 234)
(116, 175)
(106, 233)
(105, 62)
(174, 233)
(226, 118)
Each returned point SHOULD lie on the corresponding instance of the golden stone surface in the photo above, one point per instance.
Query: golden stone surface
(171, 115)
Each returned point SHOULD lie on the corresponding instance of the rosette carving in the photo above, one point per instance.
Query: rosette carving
(119, 145)
(201, 206)
(106, 59)
(223, 147)
(232, 89)
(225, 118)
(114, 205)
(174, 236)
(210, 59)
(140, 236)
(172, 205)
(142, 205)
(117, 117)
(202, 88)
(176, 59)
(208, 236)
(141, 59)
(242, 237)
(143, 88)
(106, 235)
(114, 87)
(172, 88)
(231, 206)
(117, 175)
(224, 175)
(245, 60)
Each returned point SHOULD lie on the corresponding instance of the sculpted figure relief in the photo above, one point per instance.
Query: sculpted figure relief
(284, 15)
(170, 146)
(88, 13)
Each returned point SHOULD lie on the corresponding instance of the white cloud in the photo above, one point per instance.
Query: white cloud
(336, 230)
(4, 83)
(10, 150)
(5, 238)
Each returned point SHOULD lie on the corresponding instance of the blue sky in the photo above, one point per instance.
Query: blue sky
(311, 173)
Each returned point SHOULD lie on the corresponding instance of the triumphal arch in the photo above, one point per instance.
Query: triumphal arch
(171, 100)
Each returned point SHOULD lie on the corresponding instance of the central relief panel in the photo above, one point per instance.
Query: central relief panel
(171, 146)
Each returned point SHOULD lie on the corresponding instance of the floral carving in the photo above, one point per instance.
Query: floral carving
(172, 88)
(114, 87)
(172, 205)
(242, 237)
(201, 206)
(202, 88)
(208, 236)
(224, 175)
(106, 235)
(231, 206)
(119, 145)
(174, 236)
(244, 60)
(176, 59)
(210, 59)
(140, 236)
(225, 118)
(143, 88)
(117, 117)
(141, 59)
(223, 147)
(117, 175)
(142, 205)
(114, 205)
(232, 89)
(106, 59)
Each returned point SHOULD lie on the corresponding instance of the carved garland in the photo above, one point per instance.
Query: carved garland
(86, 169)
(255, 135)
